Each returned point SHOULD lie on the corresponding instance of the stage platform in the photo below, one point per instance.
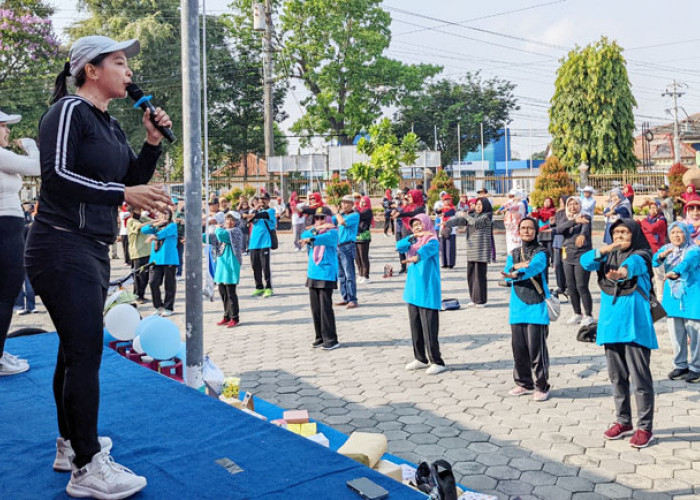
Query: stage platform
(169, 433)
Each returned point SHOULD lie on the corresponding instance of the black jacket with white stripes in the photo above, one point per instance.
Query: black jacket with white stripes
(85, 163)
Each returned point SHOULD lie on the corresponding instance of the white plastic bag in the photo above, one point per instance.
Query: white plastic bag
(212, 375)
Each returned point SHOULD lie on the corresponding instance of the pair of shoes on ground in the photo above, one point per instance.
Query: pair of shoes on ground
(690, 376)
(22, 312)
(229, 323)
(326, 347)
(430, 369)
(264, 292)
(640, 438)
(161, 311)
(12, 365)
(578, 319)
(537, 395)
(101, 478)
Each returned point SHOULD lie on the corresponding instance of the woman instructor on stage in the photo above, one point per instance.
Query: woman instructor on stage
(87, 171)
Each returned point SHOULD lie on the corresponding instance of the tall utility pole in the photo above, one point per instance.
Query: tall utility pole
(674, 90)
(192, 158)
(267, 81)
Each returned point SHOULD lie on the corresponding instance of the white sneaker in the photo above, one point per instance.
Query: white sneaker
(575, 319)
(166, 313)
(158, 312)
(13, 358)
(416, 365)
(104, 479)
(367, 280)
(469, 304)
(479, 306)
(65, 453)
(587, 321)
(11, 365)
(360, 279)
(435, 369)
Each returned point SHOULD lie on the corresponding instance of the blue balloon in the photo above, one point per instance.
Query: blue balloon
(182, 353)
(160, 338)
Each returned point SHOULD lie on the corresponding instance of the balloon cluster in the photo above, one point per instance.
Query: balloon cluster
(155, 336)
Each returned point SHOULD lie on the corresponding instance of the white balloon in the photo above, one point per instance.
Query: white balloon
(137, 345)
(121, 321)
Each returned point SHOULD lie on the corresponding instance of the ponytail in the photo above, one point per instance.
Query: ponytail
(60, 89)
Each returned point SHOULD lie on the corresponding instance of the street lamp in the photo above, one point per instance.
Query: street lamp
(583, 172)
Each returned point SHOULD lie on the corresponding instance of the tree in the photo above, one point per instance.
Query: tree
(335, 48)
(441, 182)
(540, 155)
(29, 54)
(445, 103)
(591, 116)
(552, 182)
(385, 156)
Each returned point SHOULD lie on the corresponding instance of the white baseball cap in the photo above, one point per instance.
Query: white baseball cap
(9, 119)
(87, 48)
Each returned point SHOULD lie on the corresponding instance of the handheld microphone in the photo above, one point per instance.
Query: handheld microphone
(144, 102)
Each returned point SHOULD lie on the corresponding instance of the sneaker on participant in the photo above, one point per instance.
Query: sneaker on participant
(65, 453)
(166, 313)
(434, 369)
(232, 323)
(520, 391)
(317, 343)
(575, 319)
(267, 293)
(641, 438)
(104, 479)
(360, 279)
(617, 430)
(587, 321)
(540, 396)
(158, 311)
(258, 292)
(224, 321)
(416, 365)
(13, 358)
(692, 377)
(331, 346)
(678, 374)
(11, 365)
(367, 281)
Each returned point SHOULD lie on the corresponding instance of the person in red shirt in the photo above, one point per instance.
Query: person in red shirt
(654, 228)
(544, 234)
(628, 191)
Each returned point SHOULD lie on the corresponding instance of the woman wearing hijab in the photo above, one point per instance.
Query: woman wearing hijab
(448, 246)
(388, 206)
(526, 269)
(680, 262)
(618, 207)
(228, 267)
(575, 227)
(544, 216)
(654, 228)
(479, 224)
(413, 205)
(423, 294)
(625, 326)
(514, 212)
(298, 219)
(12, 229)
(322, 276)
(692, 217)
(364, 238)
(628, 193)
(243, 208)
(557, 253)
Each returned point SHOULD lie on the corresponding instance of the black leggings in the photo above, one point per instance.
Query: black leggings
(230, 300)
(425, 326)
(71, 274)
(11, 270)
(362, 258)
(389, 224)
(321, 300)
(577, 286)
(558, 263)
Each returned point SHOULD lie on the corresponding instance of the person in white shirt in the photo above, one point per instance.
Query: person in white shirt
(588, 202)
(124, 215)
(12, 168)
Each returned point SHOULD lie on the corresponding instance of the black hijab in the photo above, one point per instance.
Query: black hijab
(530, 248)
(485, 215)
(639, 246)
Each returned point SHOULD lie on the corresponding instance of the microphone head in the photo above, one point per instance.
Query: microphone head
(134, 91)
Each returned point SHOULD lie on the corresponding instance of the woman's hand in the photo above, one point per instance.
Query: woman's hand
(411, 260)
(512, 275)
(149, 197)
(582, 220)
(617, 274)
(606, 249)
(521, 265)
(153, 135)
(665, 253)
(671, 276)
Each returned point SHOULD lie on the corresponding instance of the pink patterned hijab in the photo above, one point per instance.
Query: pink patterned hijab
(427, 227)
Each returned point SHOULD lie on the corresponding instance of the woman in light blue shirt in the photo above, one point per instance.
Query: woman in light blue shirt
(163, 237)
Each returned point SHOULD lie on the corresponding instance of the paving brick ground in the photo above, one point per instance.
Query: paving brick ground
(498, 444)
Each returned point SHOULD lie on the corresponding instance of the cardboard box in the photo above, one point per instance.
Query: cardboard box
(296, 416)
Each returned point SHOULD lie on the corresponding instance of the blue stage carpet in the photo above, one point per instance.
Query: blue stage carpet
(167, 432)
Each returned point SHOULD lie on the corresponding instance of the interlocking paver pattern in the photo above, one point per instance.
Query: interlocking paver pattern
(497, 444)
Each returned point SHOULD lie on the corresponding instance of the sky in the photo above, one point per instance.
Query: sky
(522, 41)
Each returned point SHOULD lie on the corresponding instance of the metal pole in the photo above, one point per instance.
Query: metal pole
(459, 149)
(205, 101)
(267, 83)
(482, 144)
(435, 132)
(192, 158)
(507, 155)
(676, 131)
